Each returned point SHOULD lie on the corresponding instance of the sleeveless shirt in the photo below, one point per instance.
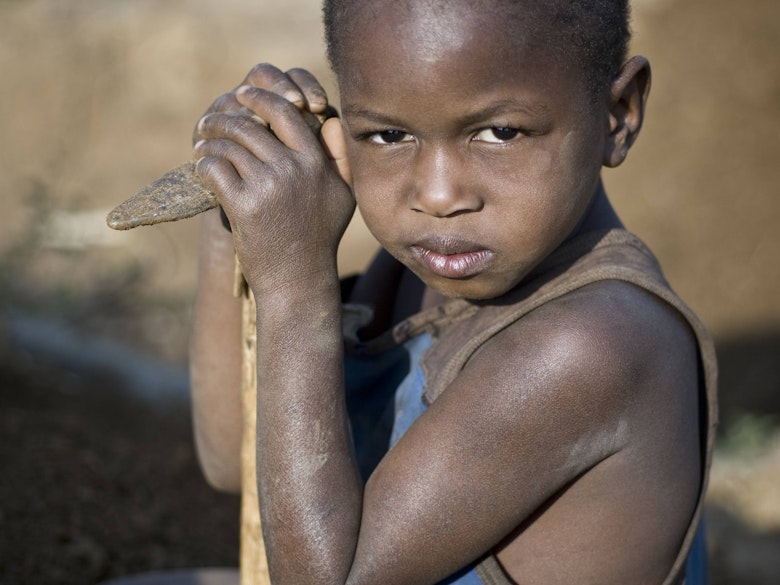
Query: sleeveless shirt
(392, 379)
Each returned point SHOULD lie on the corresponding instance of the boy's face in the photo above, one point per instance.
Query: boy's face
(475, 150)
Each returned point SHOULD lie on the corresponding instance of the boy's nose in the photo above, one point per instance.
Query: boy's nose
(441, 188)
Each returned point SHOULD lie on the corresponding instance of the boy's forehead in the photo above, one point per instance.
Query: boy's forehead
(435, 20)
(429, 29)
(518, 13)
(491, 34)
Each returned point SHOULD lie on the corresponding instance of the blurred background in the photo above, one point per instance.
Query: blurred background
(99, 97)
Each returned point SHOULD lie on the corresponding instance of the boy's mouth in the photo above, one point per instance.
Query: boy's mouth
(451, 257)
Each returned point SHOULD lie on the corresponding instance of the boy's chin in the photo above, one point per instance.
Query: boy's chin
(470, 289)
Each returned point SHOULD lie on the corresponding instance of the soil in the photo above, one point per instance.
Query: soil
(101, 481)
(97, 484)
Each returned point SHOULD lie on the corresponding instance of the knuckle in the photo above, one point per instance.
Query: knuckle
(261, 73)
(225, 102)
(268, 107)
(283, 83)
(205, 166)
(299, 72)
(237, 125)
(287, 170)
(278, 106)
(218, 148)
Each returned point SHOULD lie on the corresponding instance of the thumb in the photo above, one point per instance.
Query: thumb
(332, 133)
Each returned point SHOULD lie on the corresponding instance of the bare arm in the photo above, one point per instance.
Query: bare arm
(289, 206)
(558, 395)
(215, 358)
(215, 347)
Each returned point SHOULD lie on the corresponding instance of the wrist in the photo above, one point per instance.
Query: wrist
(314, 291)
(298, 278)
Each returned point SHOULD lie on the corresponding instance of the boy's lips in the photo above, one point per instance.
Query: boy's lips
(450, 257)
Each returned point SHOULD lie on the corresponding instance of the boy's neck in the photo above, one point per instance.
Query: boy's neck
(599, 216)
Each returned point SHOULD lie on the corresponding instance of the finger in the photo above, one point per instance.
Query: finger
(243, 161)
(335, 143)
(270, 78)
(285, 121)
(219, 175)
(248, 132)
(206, 124)
(313, 92)
(226, 103)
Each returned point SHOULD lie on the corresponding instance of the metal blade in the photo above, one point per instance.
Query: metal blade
(178, 194)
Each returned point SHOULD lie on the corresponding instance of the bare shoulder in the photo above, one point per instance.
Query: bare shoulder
(574, 421)
(611, 362)
(613, 371)
(611, 336)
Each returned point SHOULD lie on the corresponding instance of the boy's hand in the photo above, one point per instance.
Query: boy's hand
(298, 86)
(281, 186)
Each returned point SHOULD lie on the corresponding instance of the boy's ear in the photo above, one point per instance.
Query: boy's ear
(627, 101)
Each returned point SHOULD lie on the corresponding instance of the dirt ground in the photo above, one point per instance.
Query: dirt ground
(98, 98)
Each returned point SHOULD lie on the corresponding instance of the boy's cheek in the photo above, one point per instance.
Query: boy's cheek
(373, 185)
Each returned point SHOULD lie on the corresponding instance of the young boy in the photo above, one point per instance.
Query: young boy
(549, 401)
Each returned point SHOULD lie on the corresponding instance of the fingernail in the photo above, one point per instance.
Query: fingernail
(243, 89)
(198, 144)
(319, 96)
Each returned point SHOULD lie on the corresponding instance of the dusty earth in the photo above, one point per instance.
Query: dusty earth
(100, 480)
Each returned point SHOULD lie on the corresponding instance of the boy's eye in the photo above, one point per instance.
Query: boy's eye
(497, 135)
(390, 137)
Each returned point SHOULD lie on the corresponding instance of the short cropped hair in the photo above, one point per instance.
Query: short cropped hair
(593, 33)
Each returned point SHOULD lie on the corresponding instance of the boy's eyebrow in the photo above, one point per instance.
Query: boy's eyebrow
(368, 115)
(496, 108)
(506, 106)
